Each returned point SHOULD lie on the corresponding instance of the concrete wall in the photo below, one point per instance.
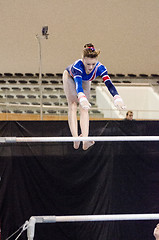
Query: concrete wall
(126, 32)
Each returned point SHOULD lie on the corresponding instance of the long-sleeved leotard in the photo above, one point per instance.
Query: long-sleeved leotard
(78, 73)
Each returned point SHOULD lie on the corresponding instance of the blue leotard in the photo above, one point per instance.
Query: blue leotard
(78, 73)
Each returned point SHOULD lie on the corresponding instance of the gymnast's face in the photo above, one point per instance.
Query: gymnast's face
(89, 64)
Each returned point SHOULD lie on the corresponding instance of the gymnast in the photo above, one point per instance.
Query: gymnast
(77, 81)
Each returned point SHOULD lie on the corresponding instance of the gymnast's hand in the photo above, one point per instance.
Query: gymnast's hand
(118, 102)
(83, 101)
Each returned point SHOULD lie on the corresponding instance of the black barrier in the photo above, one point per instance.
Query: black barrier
(54, 179)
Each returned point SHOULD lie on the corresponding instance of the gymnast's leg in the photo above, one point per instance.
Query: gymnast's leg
(84, 124)
(70, 91)
(84, 117)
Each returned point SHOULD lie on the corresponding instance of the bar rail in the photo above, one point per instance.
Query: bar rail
(85, 218)
(73, 139)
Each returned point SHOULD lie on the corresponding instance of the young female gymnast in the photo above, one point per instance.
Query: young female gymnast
(76, 80)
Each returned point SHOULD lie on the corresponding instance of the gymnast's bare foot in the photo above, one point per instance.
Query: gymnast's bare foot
(77, 143)
(87, 144)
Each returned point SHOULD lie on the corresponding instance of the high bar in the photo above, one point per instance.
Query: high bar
(74, 139)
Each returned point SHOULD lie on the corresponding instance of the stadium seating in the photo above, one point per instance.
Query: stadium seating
(21, 93)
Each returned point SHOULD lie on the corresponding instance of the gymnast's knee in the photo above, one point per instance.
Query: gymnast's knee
(83, 110)
(72, 106)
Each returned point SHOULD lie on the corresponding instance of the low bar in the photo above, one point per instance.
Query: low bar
(86, 218)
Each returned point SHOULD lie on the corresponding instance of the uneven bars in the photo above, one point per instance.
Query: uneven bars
(74, 139)
(86, 218)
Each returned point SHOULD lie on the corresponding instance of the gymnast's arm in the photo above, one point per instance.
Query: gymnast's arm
(80, 93)
(118, 102)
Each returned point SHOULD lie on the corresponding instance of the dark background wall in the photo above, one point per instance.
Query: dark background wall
(125, 31)
(55, 179)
